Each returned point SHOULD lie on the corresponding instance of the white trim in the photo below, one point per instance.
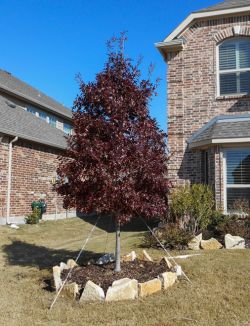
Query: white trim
(236, 30)
(9, 177)
(185, 23)
(240, 119)
(219, 72)
(207, 142)
(224, 173)
(230, 140)
(238, 186)
(225, 185)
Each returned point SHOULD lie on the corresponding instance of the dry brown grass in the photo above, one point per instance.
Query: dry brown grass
(219, 295)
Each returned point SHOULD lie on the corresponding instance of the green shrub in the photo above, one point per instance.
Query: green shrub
(235, 225)
(171, 236)
(216, 220)
(192, 207)
(34, 217)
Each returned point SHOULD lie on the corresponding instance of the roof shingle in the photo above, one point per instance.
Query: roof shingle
(15, 121)
(220, 129)
(228, 4)
(13, 85)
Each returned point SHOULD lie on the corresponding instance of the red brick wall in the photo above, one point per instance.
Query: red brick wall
(33, 167)
(192, 93)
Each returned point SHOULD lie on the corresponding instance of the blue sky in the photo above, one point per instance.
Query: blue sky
(47, 42)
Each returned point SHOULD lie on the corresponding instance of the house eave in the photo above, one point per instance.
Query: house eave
(222, 141)
(32, 139)
(166, 47)
(199, 15)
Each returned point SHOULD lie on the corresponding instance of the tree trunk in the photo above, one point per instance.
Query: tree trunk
(118, 248)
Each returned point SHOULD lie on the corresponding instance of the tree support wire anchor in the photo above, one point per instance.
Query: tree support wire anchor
(78, 256)
(162, 246)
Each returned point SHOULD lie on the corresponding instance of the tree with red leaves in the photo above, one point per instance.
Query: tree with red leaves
(116, 158)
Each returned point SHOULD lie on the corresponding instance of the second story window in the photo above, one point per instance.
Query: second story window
(234, 67)
(67, 128)
(52, 121)
(43, 115)
(31, 110)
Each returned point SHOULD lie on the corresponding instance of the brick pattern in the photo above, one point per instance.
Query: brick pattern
(193, 101)
(33, 168)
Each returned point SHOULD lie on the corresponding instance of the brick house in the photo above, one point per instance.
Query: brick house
(33, 132)
(208, 58)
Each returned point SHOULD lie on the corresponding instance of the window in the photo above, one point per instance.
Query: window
(52, 121)
(42, 115)
(67, 128)
(31, 110)
(237, 176)
(234, 67)
(204, 167)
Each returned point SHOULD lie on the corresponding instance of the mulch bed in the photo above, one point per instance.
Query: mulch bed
(105, 275)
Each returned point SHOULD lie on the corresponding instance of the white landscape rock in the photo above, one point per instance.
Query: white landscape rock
(123, 289)
(167, 262)
(92, 292)
(167, 279)
(146, 256)
(194, 244)
(71, 263)
(70, 290)
(178, 270)
(57, 277)
(211, 244)
(149, 287)
(234, 242)
(129, 257)
(63, 266)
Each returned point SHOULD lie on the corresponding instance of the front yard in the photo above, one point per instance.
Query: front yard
(219, 295)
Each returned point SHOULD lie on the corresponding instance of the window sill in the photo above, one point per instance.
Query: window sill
(232, 97)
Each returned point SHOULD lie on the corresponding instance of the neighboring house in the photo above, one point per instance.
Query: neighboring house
(208, 57)
(33, 132)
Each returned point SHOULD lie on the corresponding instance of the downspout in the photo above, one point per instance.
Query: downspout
(9, 179)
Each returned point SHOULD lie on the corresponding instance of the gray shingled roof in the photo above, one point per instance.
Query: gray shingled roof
(228, 4)
(17, 87)
(15, 121)
(222, 128)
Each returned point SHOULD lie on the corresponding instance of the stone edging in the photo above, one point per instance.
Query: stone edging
(123, 289)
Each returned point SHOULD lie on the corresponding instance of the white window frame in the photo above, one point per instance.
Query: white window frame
(225, 185)
(218, 72)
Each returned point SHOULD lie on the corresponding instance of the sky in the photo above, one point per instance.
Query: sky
(46, 43)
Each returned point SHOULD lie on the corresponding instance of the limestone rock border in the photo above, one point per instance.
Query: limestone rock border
(122, 289)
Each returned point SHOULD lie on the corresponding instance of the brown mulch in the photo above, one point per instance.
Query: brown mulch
(105, 275)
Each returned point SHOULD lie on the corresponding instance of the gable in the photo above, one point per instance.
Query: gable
(224, 9)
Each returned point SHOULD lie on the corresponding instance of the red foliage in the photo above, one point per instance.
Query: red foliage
(116, 158)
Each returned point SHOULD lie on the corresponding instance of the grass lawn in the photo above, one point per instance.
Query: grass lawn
(219, 294)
